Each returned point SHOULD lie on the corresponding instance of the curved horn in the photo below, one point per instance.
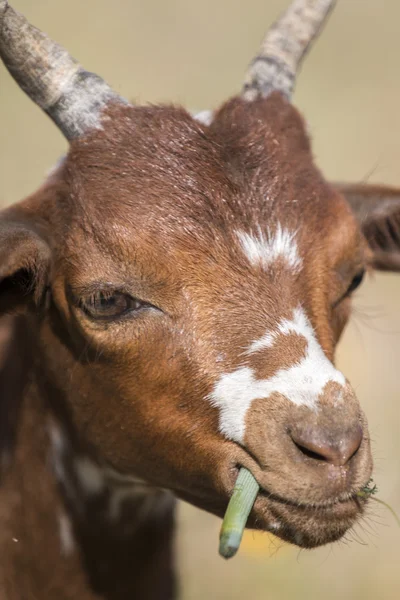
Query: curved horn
(283, 48)
(71, 96)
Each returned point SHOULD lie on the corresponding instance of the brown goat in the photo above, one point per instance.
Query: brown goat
(171, 300)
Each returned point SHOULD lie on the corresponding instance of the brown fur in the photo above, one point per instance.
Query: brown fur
(149, 206)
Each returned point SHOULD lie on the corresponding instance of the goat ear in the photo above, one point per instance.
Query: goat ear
(24, 261)
(377, 208)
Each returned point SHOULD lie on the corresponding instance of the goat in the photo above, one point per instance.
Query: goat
(171, 301)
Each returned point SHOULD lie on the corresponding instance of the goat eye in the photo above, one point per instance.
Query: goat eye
(108, 305)
(356, 282)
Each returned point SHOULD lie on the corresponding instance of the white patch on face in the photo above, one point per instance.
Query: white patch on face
(233, 395)
(266, 341)
(66, 535)
(302, 383)
(263, 249)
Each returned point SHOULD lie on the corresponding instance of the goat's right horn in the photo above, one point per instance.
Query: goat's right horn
(71, 96)
(283, 48)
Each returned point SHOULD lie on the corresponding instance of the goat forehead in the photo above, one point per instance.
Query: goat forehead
(157, 170)
(161, 156)
(219, 210)
(212, 224)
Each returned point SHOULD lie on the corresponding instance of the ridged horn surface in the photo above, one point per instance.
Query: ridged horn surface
(284, 47)
(72, 97)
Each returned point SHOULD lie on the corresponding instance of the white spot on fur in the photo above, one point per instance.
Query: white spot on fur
(90, 476)
(124, 488)
(266, 341)
(66, 535)
(205, 117)
(114, 476)
(59, 448)
(95, 479)
(302, 383)
(57, 439)
(263, 249)
(83, 479)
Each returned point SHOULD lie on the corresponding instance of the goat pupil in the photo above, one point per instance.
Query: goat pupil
(111, 302)
(106, 301)
(108, 304)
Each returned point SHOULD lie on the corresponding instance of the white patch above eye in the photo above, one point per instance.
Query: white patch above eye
(302, 383)
(264, 248)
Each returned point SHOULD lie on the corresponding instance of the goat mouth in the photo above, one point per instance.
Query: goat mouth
(306, 525)
(326, 505)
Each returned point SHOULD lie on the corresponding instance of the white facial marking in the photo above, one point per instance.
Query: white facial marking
(302, 383)
(66, 535)
(263, 249)
(266, 341)
(233, 395)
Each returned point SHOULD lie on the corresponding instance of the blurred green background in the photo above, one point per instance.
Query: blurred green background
(349, 90)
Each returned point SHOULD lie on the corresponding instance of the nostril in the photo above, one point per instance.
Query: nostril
(310, 453)
(324, 445)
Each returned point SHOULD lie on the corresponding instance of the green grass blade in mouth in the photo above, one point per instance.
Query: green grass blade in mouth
(239, 507)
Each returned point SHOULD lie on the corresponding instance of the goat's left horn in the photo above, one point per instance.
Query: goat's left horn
(283, 48)
(71, 96)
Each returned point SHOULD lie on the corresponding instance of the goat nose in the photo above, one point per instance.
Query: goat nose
(319, 443)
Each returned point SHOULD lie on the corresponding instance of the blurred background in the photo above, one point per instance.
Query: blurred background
(349, 90)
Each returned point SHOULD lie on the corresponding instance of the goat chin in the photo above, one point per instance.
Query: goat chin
(306, 525)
